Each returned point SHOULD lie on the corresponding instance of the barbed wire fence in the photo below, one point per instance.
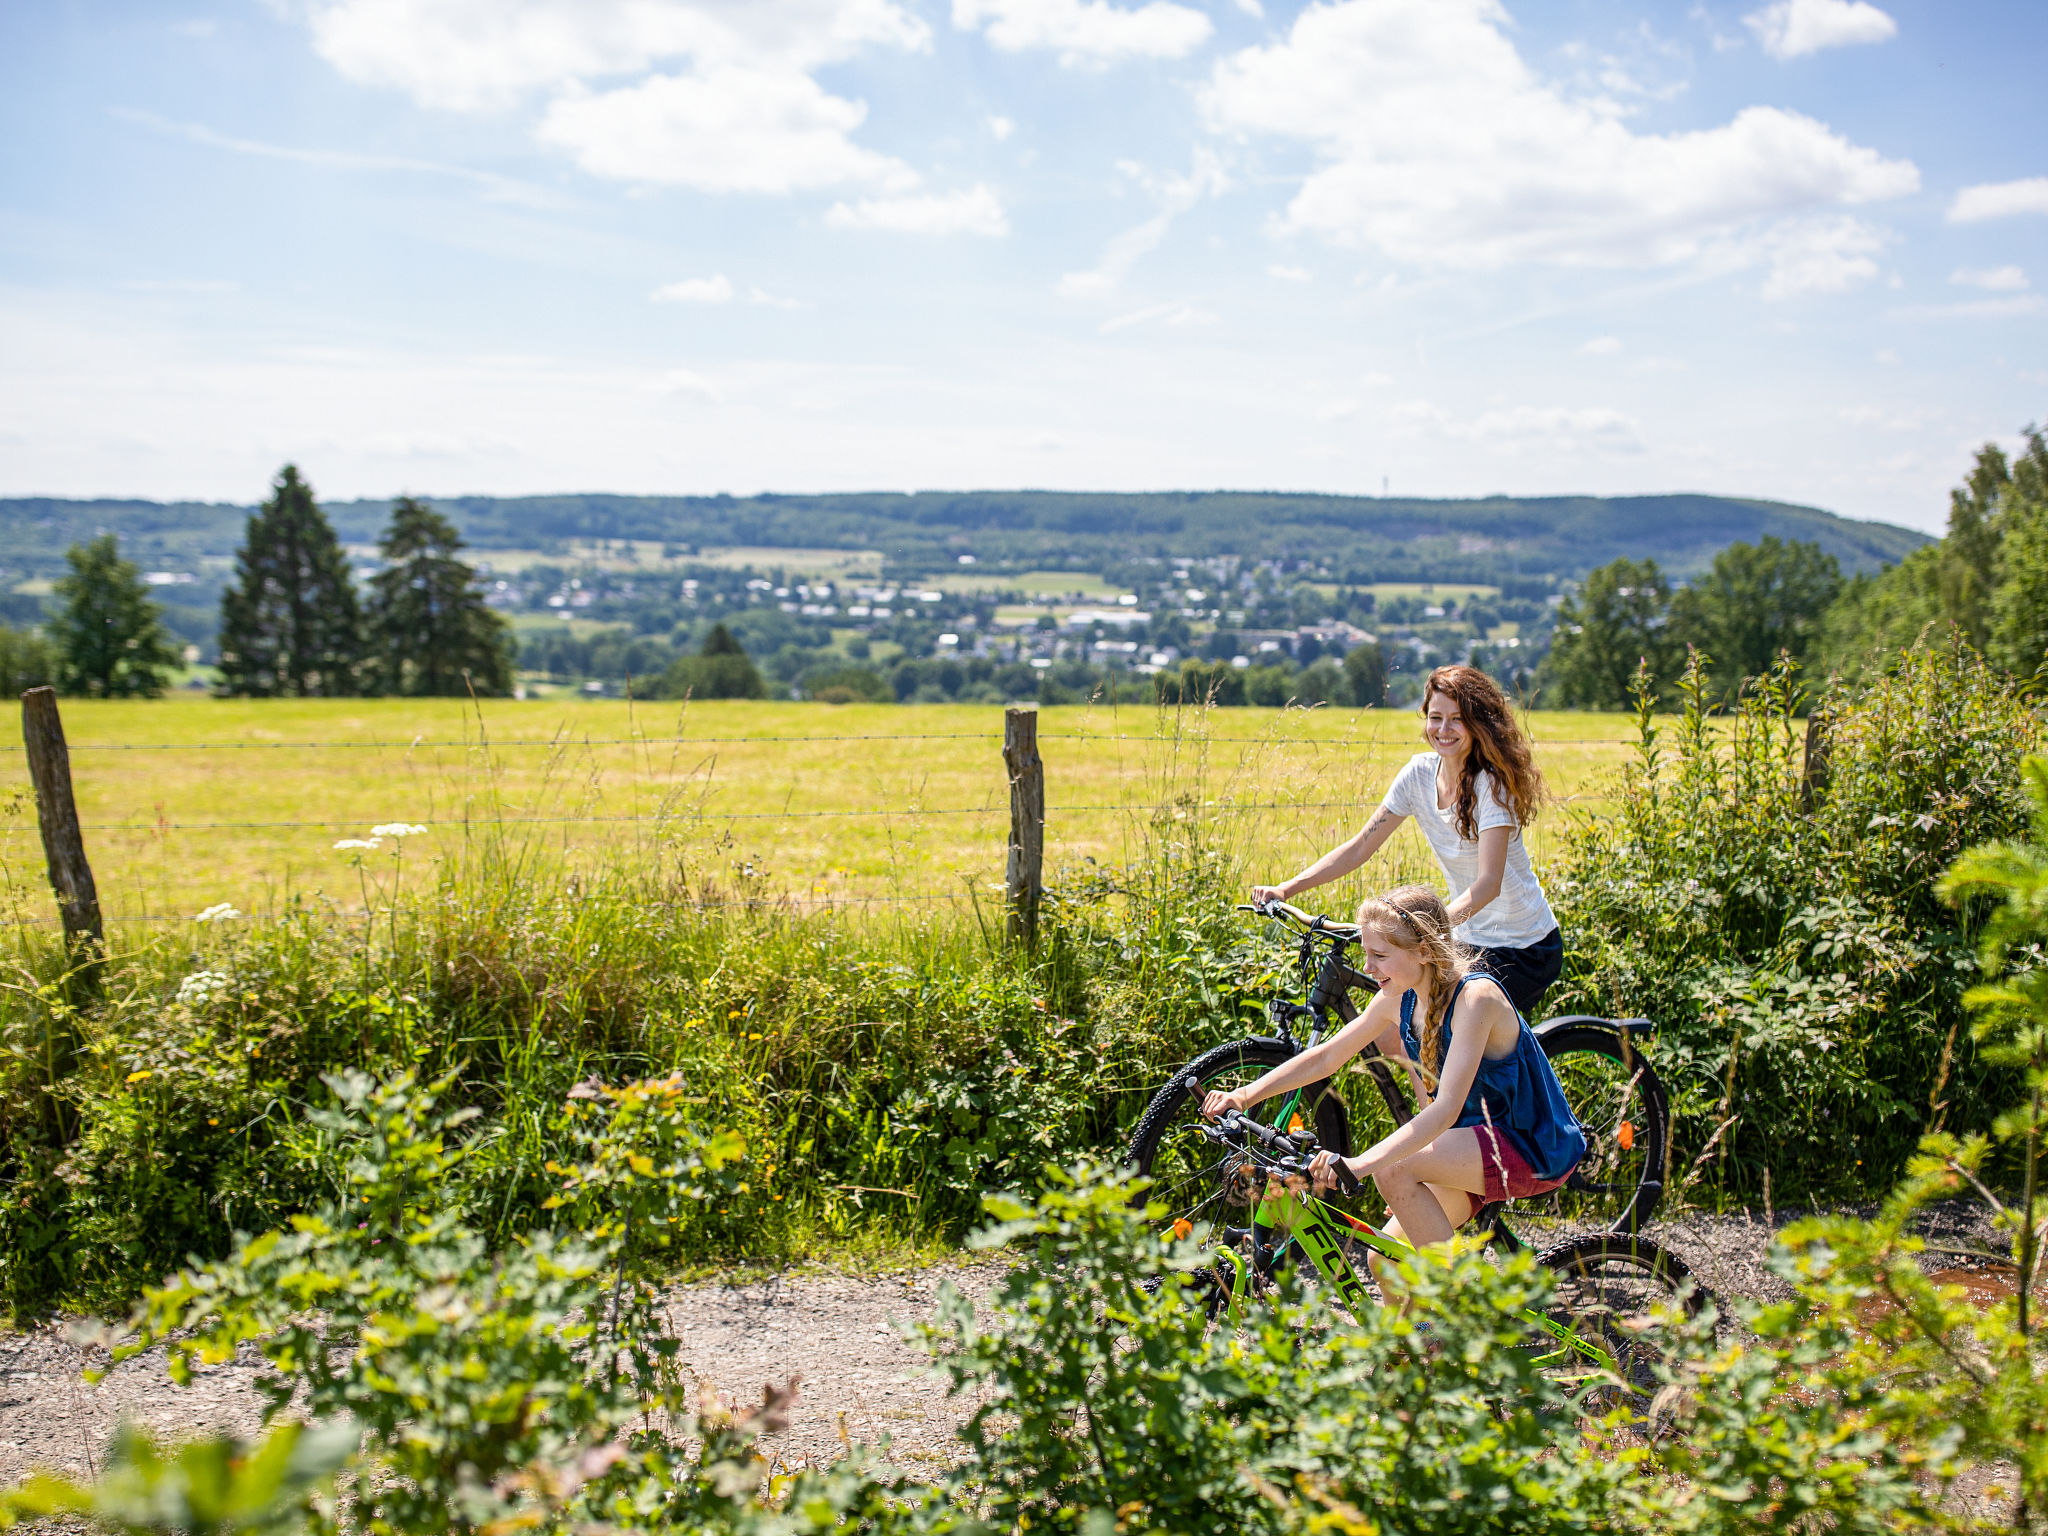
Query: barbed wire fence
(1022, 884)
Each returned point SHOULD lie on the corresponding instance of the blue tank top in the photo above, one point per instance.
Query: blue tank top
(1518, 1095)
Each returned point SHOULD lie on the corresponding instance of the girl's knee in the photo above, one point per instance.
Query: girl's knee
(1396, 1176)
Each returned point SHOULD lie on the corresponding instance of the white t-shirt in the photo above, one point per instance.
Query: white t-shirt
(1518, 916)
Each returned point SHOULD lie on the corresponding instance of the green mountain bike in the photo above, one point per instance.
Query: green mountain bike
(1217, 1178)
(1602, 1319)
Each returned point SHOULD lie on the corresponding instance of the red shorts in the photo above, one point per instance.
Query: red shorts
(1508, 1174)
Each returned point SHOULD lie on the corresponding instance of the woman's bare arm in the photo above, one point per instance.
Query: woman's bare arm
(1339, 861)
(1485, 886)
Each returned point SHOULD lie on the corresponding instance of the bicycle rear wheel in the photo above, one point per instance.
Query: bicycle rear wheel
(1610, 1287)
(1191, 1175)
(1627, 1118)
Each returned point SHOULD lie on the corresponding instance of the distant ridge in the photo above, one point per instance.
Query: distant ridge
(1354, 537)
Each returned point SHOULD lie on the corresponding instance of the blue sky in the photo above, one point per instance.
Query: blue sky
(1786, 248)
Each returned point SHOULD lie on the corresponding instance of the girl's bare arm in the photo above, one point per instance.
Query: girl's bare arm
(1381, 1016)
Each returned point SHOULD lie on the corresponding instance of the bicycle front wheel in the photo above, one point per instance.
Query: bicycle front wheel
(1611, 1287)
(1192, 1175)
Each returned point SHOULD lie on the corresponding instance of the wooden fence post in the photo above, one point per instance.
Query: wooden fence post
(49, 765)
(1814, 771)
(1024, 869)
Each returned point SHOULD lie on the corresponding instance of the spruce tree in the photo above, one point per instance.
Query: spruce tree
(721, 669)
(429, 631)
(109, 636)
(289, 623)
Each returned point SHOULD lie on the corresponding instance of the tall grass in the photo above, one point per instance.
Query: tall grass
(887, 1062)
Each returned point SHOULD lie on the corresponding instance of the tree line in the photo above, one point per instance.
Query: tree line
(292, 623)
(1988, 577)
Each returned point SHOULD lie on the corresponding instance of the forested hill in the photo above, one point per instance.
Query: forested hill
(1354, 538)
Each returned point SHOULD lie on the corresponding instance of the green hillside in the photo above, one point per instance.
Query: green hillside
(1360, 539)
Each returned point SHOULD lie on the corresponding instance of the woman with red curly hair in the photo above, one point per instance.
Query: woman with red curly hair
(1471, 794)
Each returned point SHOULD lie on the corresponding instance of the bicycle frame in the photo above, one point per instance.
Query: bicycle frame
(1311, 1225)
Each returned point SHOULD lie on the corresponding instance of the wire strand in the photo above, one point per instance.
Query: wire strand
(540, 821)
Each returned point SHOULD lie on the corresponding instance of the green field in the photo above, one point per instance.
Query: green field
(189, 802)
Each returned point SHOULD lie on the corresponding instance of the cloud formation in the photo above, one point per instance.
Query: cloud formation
(1999, 200)
(1791, 29)
(973, 211)
(1176, 195)
(2006, 279)
(1440, 147)
(709, 94)
(715, 289)
(1086, 32)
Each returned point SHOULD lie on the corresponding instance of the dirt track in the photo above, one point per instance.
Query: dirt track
(840, 1333)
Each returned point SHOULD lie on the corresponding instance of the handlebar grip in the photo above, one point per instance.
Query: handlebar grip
(1348, 1183)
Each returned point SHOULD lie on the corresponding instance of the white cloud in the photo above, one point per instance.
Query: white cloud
(1441, 147)
(766, 300)
(684, 381)
(482, 55)
(733, 129)
(1252, 8)
(1809, 256)
(1886, 419)
(2007, 279)
(715, 289)
(1600, 346)
(1789, 29)
(1086, 32)
(972, 211)
(1000, 128)
(1291, 274)
(1175, 314)
(1176, 195)
(1999, 200)
(1561, 429)
(737, 110)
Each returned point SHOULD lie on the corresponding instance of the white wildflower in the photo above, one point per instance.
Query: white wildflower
(202, 987)
(219, 912)
(397, 829)
(357, 842)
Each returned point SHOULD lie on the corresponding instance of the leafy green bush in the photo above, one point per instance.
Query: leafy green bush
(1108, 1401)
(1780, 924)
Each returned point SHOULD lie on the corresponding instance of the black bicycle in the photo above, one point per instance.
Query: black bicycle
(1599, 1063)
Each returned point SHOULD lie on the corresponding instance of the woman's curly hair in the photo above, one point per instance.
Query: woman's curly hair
(1498, 747)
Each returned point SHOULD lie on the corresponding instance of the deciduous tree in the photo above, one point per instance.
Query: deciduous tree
(1365, 675)
(109, 636)
(2019, 606)
(290, 626)
(430, 633)
(1617, 619)
(1758, 600)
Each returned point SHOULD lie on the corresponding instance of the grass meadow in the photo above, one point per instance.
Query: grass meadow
(189, 802)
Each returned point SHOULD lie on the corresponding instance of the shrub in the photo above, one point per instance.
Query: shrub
(1781, 925)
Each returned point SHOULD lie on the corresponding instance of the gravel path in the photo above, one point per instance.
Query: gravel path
(839, 1332)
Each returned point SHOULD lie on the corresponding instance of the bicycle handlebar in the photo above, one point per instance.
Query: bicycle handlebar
(1297, 1148)
(1294, 917)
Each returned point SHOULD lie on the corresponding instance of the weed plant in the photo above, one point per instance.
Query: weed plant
(1767, 897)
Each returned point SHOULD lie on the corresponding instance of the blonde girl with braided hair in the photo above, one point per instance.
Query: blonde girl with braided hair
(1496, 1125)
